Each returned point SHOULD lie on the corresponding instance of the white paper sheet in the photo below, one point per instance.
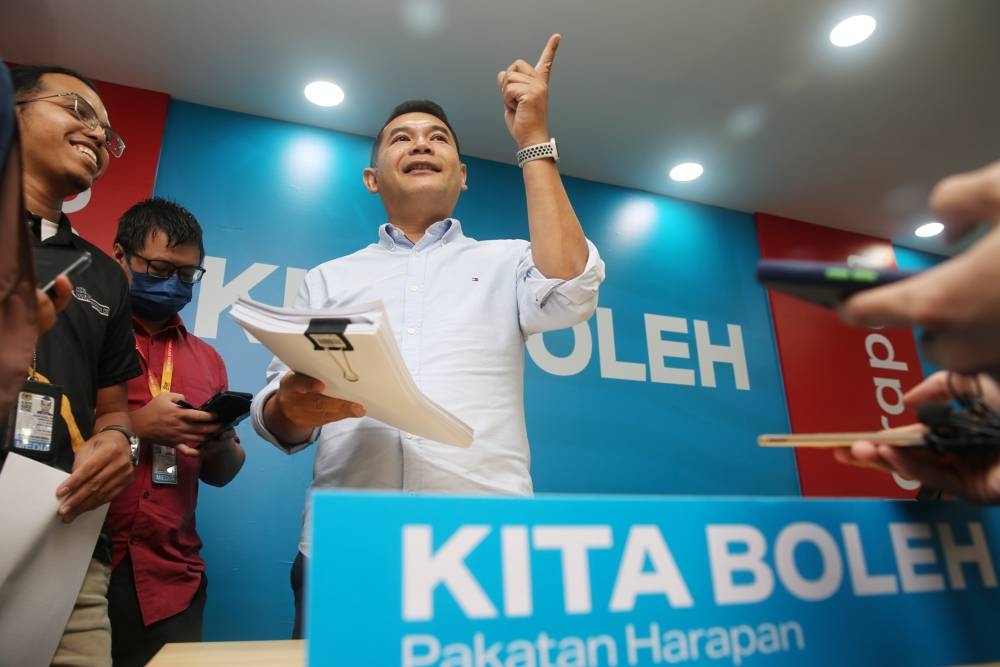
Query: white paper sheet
(381, 383)
(42, 561)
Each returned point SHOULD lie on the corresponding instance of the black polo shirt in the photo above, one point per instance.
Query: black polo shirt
(91, 346)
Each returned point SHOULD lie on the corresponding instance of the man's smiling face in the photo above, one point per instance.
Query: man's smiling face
(59, 150)
(418, 155)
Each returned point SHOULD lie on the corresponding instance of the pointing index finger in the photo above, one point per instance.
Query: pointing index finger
(544, 66)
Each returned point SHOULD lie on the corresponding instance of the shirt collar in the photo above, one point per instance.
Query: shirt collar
(391, 237)
(175, 327)
(51, 233)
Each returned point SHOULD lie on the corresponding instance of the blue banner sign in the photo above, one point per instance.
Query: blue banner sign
(563, 581)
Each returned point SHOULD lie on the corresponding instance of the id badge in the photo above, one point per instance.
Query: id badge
(33, 419)
(164, 465)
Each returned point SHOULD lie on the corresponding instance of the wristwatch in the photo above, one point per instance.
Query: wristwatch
(133, 440)
(537, 152)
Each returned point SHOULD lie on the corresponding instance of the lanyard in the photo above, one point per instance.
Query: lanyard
(166, 375)
(65, 408)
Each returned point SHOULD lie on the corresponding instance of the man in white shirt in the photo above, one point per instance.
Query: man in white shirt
(461, 309)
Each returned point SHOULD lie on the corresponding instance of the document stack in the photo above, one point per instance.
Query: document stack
(354, 353)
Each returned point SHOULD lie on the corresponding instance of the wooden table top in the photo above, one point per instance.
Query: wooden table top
(279, 653)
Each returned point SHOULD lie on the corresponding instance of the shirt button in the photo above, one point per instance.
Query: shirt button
(409, 436)
(134, 539)
(411, 331)
(145, 495)
(413, 288)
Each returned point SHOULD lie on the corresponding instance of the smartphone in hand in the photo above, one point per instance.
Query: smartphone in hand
(54, 261)
(824, 283)
(229, 407)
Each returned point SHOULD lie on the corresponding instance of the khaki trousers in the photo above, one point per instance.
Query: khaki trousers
(86, 641)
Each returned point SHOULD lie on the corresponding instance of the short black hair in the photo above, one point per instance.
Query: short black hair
(413, 106)
(162, 215)
(28, 78)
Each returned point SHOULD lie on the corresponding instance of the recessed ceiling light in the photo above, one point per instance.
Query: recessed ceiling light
(687, 171)
(929, 229)
(324, 93)
(853, 30)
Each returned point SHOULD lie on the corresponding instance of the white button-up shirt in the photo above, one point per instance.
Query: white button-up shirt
(461, 310)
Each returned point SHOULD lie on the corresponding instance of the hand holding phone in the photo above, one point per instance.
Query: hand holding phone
(229, 407)
(54, 261)
(52, 302)
(166, 420)
(824, 283)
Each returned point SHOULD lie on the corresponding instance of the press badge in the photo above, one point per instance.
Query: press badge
(33, 420)
(164, 465)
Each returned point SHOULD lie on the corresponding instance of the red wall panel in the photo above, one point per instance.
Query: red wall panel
(837, 378)
(139, 117)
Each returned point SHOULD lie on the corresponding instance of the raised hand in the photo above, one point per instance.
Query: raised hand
(525, 93)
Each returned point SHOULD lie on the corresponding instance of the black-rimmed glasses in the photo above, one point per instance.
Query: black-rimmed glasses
(161, 268)
(85, 114)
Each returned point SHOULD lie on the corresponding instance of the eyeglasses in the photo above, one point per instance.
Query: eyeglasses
(85, 114)
(161, 268)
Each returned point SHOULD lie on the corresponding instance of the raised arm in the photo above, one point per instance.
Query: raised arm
(558, 246)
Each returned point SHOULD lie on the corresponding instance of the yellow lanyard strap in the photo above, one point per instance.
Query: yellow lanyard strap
(65, 411)
(166, 376)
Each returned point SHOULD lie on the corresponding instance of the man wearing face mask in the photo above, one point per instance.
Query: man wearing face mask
(158, 586)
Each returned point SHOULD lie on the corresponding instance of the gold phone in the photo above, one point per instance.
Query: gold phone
(897, 439)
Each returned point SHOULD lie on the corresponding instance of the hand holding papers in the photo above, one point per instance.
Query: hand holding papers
(354, 354)
(42, 561)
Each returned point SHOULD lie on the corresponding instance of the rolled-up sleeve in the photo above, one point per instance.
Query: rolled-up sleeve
(546, 304)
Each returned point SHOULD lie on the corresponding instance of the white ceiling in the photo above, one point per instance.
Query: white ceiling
(784, 122)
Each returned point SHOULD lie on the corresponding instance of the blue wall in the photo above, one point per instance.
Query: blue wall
(276, 198)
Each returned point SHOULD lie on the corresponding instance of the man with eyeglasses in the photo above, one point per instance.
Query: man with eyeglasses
(87, 115)
(23, 316)
(158, 586)
(89, 355)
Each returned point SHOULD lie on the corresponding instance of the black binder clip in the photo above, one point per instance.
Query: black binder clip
(327, 333)
(973, 426)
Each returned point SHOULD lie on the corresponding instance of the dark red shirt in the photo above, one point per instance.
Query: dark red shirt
(155, 523)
